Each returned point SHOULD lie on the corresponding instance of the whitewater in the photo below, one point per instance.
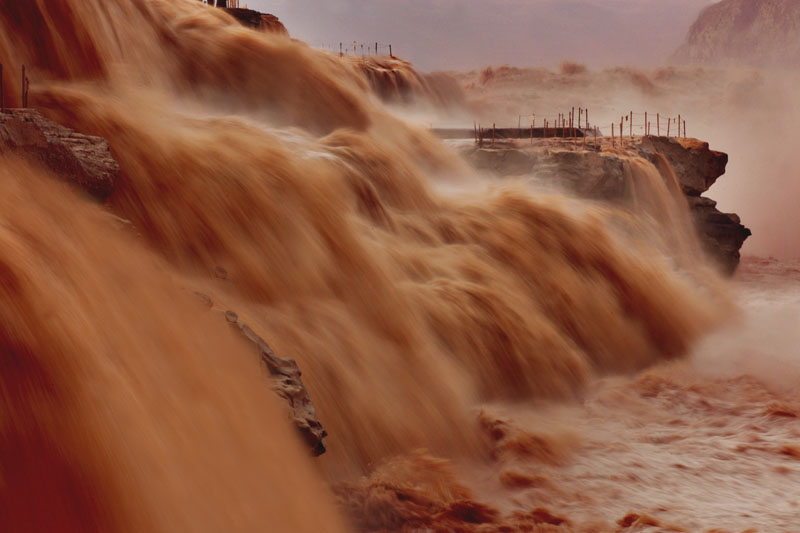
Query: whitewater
(489, 359)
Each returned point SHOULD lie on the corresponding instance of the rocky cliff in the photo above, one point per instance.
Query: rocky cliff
(601, 175)
(83, 161)
(258, 21)
(751, 32)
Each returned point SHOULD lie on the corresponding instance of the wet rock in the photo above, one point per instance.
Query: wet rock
(285, 379)
(696, 166)
(84, 161)
(502, 161)
(286, 382)
(722, 234)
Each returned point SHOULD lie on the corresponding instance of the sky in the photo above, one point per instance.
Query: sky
(466, 34)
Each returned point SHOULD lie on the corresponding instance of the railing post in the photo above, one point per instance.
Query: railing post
(572, 122)
(631, 126)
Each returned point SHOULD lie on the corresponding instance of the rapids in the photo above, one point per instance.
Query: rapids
(419, 317)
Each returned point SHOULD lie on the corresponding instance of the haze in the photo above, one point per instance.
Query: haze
(463, 34)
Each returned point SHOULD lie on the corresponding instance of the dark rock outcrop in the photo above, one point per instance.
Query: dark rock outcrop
(258, 21)
(284, 378)
(81, 160)
(722, 234)
(751, 32)
(697, 168)
(285, 381)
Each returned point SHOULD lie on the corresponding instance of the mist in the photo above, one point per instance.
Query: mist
(457, 34)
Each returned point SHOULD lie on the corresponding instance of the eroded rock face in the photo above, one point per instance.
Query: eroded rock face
(258, 21)
(600, 175)
(696, 166)
(722, 234)
(81, 160)
(285, 381)
(284, 378)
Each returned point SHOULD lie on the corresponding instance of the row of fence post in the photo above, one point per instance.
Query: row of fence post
(566, 123)
(343, 51)
(647, 127)
(26, 84)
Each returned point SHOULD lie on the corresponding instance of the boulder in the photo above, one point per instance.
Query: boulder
(82, 160)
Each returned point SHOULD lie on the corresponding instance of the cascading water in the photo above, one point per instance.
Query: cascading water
(406, 308)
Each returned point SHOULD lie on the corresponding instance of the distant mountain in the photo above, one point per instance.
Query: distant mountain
(750, 32)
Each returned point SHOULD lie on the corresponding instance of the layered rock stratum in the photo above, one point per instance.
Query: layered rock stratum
(751, 32)
(601, 175)
(82, 160)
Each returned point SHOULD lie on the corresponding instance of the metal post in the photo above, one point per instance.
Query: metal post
(22, 103)
(572, 122)
(390, 51)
